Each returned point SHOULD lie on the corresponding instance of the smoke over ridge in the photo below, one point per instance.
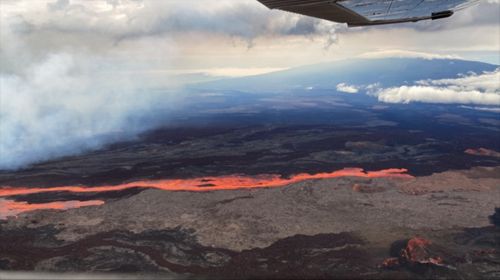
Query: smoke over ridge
(66, 104)
(76, 75)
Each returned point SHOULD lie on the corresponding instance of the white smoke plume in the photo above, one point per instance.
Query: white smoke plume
(66, 104)
(78, 74)
(66, 101)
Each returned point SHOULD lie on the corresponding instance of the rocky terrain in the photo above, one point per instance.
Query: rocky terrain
(329, 228)
(343, 192)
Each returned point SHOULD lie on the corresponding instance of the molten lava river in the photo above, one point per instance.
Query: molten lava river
(205, 184)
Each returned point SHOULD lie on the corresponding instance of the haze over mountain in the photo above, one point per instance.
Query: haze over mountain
(386, 72)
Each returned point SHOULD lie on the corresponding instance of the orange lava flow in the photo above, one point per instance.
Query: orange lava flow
(13, 208)
(207, 184)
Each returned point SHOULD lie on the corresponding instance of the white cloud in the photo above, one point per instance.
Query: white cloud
(487, 82)
(481, 89)
(343, 87)
(129, 19)
(408, 94)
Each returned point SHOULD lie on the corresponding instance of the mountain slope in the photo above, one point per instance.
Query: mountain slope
(386, 72)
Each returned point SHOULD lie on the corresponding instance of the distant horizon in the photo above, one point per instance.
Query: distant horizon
(223, 73)
(263, 71)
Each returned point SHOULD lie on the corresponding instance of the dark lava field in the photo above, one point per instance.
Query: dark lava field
(259, 188)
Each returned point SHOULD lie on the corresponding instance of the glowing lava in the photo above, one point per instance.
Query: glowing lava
(204, 184)
(12, 208)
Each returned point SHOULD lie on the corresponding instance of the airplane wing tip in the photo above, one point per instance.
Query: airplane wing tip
(368, 12)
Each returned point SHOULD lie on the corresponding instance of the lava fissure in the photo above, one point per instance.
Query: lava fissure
(234, 182)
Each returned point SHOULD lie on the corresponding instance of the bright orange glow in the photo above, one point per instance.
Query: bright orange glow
(13, 208)
(207, 184)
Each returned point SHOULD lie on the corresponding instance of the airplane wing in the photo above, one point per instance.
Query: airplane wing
(371, 12)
